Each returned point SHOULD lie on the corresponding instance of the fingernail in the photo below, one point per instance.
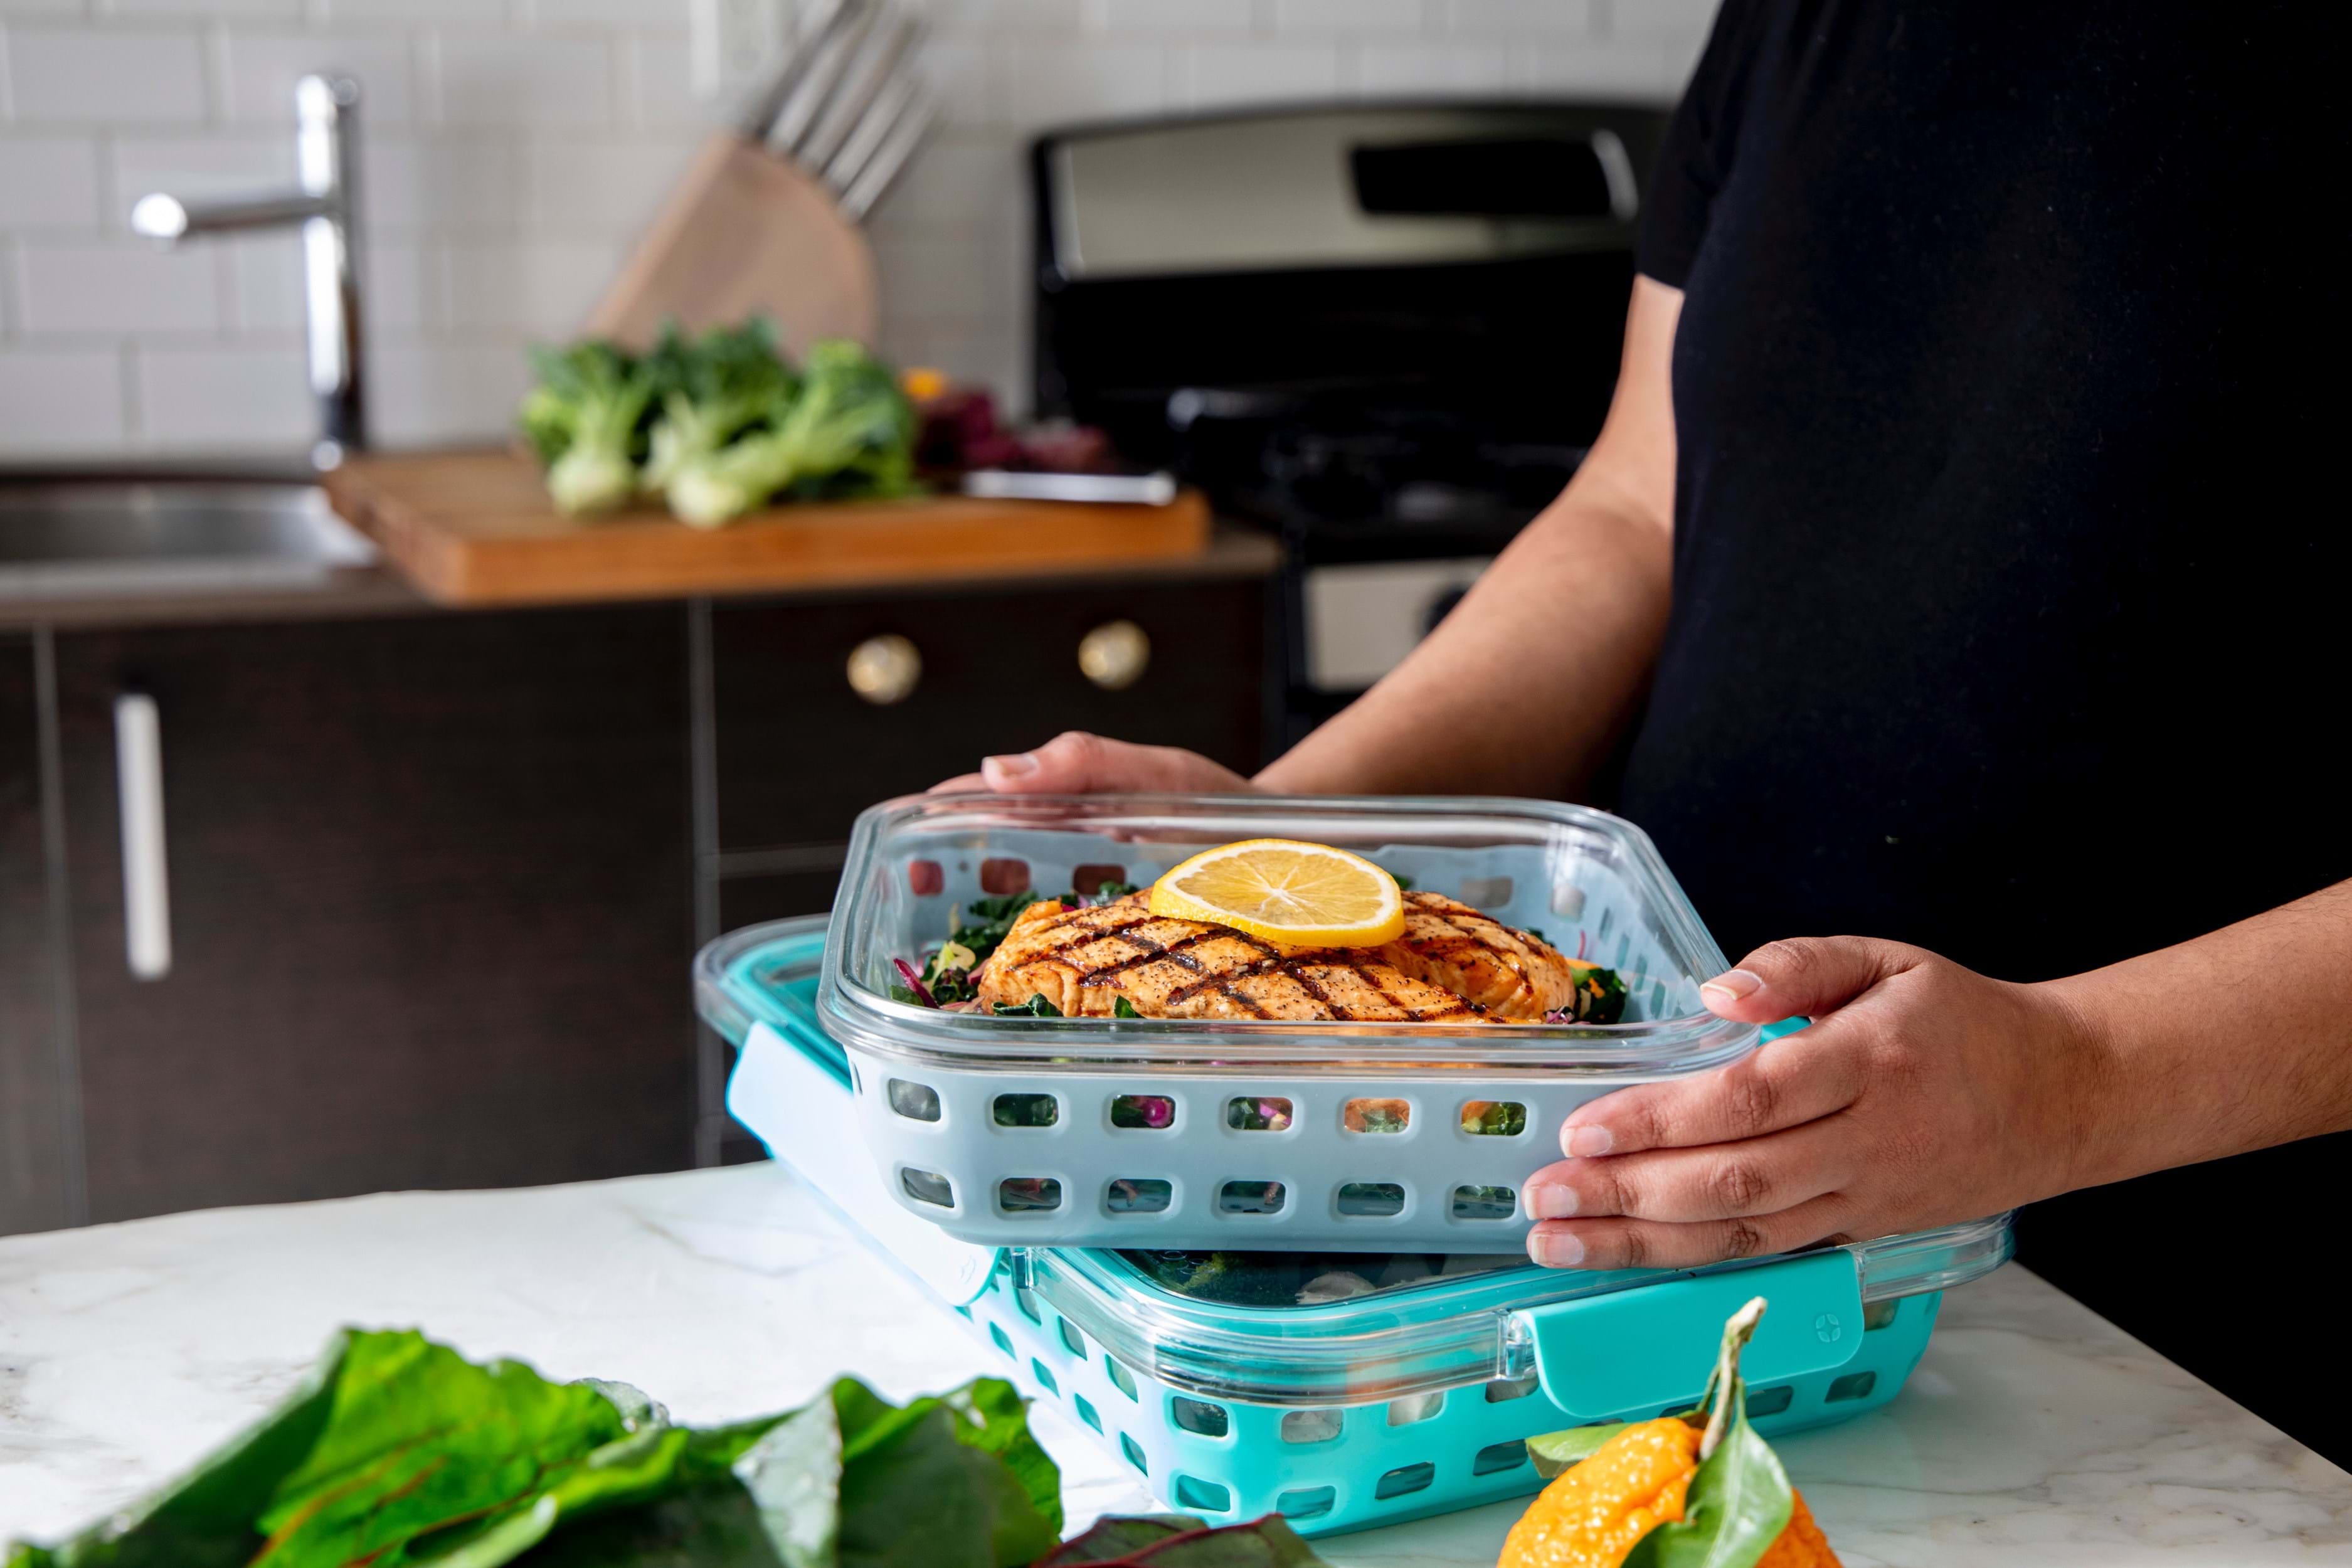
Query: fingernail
(1019, 765)
(1735, 983)
(1551, 1200)
(1555, 1250)
(1583, 1143)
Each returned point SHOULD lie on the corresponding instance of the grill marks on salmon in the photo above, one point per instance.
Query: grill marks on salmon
(1084, 961)
(1453, 965)
(1510, 973)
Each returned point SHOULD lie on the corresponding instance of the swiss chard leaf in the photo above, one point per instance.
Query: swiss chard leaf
(396, 1451)
(1180, 1541)
(1036, 1007)
(997, 1421)
(1121, 1007)
(925, 1487)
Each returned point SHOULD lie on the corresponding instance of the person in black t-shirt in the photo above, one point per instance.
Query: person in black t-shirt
(1958, 565)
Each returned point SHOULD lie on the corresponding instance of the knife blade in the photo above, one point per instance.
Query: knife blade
(827, 59)
(881, 65)
(870, 184)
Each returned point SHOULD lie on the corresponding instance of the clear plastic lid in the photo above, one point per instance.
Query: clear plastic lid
(1368, 1328)
(1591, 883)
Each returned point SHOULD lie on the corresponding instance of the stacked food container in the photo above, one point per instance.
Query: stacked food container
(1279, 1266)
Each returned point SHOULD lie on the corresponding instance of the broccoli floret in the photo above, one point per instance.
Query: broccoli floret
(712, 389)
(849, 431)
(587, 419)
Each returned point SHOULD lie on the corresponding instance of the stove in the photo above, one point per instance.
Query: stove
(1385, 333)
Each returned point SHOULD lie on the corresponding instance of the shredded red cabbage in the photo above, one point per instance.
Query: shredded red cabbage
(914, 981)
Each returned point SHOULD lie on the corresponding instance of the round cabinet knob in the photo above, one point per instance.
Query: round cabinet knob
(885, 670)
(1115, 655)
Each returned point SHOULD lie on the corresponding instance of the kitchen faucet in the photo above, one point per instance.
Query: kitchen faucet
(326, 124)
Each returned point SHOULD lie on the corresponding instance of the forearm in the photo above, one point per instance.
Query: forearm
(2233, 1042)
(1523, 688)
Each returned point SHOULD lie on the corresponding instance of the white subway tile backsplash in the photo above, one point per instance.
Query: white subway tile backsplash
(1175, 15)
(512, 150)
(539, 289)
(57, 401)
(1680, 19)
(115, 287)
(104, 77)
(1632, 70)
(603, 186)
(1048, 82)
(287, 9)
(258, 72)
(491, 79)
(965, 183)
(199, 166)
(266, 280)
(223, 397)
(439, 394)
(605, 13)
(399, 298)
(1348, 17)
(657, 78)
(1216, 75)
(474, 13)
(409, 185)
(1421, 71)
(948, 277)
(49, 181)
(995, 18)
(965, 73)
(1521, 19)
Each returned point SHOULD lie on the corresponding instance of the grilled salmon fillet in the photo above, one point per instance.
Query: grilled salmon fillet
(1510, 973)
(1084, 961)
(1452, 964)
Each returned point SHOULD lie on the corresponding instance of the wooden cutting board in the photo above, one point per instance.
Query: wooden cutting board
(476, 528)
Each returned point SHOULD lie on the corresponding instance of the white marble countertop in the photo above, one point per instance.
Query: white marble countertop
(2032, 1432)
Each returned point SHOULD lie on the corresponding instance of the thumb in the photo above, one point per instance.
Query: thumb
(1076, 763)
(1803, 976)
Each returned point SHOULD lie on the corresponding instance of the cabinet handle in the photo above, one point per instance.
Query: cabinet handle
(885, 670)
(139, 785)
(1115, 655)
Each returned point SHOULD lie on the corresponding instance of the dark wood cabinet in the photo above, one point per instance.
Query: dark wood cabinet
(801, 754)
(435, 881)
(37, 1166)
(430, 906)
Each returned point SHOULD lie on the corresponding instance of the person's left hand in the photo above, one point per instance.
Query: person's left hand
(1923, 1094)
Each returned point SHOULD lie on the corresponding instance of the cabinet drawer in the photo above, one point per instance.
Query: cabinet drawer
(800, 752)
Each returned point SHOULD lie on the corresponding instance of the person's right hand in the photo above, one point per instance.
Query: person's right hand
(1076, 763)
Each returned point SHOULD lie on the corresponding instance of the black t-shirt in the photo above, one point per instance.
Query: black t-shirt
(2009, 567)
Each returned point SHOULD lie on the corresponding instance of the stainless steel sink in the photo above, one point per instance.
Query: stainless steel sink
(101, 537)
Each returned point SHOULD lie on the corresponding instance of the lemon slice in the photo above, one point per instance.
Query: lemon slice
(1282, 891)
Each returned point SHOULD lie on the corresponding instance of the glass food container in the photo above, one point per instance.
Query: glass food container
(1245, 1132)
(1341, 1389)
